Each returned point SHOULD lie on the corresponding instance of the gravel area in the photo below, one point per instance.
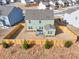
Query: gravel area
(38, 52)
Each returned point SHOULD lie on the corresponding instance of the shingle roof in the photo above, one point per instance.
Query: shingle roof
(5, 10)
(43, 0)
(73, 29)
(69, 11)
(37, 14)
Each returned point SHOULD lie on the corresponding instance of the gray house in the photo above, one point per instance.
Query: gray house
(10, 15)
(40, 21)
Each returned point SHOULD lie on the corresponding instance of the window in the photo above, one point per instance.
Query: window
(29, 21)
(39, 21)
(30, 27)
(49, 32)
(40, 27)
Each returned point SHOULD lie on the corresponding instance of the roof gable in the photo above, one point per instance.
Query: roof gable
(5, 10)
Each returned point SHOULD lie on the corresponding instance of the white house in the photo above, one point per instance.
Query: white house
(41, 6)
(72, 17)
(61, 2)
(46, 4)
(40, 21)
(51, 3)
(22, 1)
(26, 1)
(3, 1)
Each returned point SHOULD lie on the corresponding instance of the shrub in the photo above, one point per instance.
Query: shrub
(25, 45)
(5, 45)
(47, 44)
(67, 44)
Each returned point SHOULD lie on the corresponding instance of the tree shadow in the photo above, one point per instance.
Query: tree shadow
(59, 22)
(32, 44)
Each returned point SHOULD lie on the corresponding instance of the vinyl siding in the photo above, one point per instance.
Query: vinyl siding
(48, 34)
(73, 18)
(35, 23)
(5, 19)
(15, 16)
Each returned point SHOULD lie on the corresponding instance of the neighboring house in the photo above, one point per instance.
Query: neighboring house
(10, 15)
(67, 2)
(9, 1)
(37, 1)
(2, 2)
(71, 16)
(68, 11)
(43, 5)
(60, 2)
(46, 5)
(25, 1)
(40, 21)
(77, 1)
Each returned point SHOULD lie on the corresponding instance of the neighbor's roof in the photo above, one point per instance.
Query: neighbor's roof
(5, 10)
(73, 29)
(37, 14)
(69, 11)
(42, 0)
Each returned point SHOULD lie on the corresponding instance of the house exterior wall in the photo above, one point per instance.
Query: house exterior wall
(4, 21)
(4, 1)
(22, 1)
(36, 25)
(25, 1)
(50, 32)
(73, 18)
(15, 16)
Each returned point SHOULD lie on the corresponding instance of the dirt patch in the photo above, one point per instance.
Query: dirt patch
(39, 52)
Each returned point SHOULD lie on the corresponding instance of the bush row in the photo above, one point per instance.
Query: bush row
(47, 45)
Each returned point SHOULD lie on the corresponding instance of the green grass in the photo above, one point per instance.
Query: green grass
(48, 44)
(5, 45)
(25, 45)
